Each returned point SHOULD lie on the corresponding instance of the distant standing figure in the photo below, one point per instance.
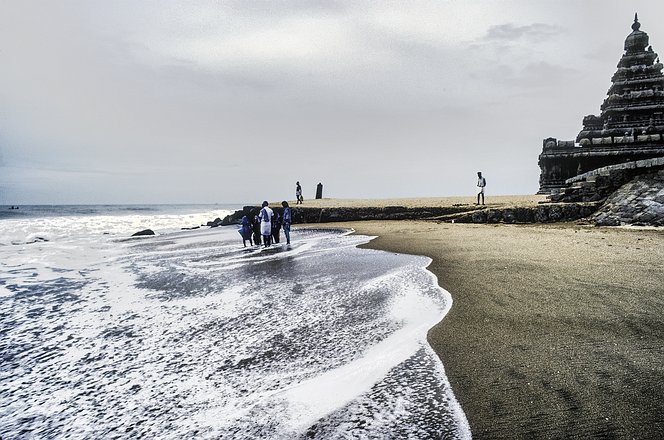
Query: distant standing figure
(481, 183)
(276, 226)
(257, 230)
(246, 231)
(298, 194)
(286, 220)
(319, 191)
(266, 223)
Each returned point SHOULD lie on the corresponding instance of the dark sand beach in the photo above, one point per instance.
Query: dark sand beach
(556, 331)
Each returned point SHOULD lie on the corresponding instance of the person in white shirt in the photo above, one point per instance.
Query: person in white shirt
(266, 223)
(481, 183)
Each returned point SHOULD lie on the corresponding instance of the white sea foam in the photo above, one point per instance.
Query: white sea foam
(317, 397)
(188, 334)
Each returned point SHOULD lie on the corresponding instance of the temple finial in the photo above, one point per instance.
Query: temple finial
(636, 25)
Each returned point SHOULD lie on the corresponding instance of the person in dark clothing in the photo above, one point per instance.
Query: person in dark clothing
(286, 220)
(298, 194)
(276, 227)
(257, 230)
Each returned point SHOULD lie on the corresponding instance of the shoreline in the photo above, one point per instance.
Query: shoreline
(554, 330)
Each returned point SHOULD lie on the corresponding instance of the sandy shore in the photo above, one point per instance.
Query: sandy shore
(555, 332)
(422, 202)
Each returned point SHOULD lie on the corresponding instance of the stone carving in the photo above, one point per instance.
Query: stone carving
(592, 122)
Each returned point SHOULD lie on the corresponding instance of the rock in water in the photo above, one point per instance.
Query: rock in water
(143, 232)
(215, 223)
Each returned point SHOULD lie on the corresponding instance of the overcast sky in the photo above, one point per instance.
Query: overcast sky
(233, 101)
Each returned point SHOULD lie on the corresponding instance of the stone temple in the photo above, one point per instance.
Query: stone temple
(628, 134)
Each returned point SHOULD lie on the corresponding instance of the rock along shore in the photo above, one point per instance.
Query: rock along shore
(539, 213)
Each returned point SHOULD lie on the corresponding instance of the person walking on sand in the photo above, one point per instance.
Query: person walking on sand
(286, 220)
(266, 223)
(481, 183)
(298, 194)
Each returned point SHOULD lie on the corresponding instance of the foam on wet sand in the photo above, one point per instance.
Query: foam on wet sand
(189, 334)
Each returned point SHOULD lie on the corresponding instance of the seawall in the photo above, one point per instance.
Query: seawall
(539, 213)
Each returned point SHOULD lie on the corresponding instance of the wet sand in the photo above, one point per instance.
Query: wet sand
(556, 331)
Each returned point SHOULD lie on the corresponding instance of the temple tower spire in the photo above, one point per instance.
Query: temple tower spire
(631, 123)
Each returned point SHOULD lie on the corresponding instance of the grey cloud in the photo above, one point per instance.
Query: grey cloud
(284, 7)
(535, 32)
(535, 75)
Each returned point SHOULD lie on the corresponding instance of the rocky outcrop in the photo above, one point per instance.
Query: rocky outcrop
(216, 222)
(143, 233)
(638, 202)
(329, 215)
(544, 213)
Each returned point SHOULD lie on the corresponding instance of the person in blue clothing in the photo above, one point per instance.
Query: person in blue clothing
(246, 231)
(286, 220)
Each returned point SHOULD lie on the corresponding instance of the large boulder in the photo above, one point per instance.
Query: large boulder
(215, 223)
(143, 232)
(494, 215)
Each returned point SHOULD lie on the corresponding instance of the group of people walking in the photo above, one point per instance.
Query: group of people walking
(266, 226)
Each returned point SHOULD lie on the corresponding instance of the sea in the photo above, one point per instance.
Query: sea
(188, 334)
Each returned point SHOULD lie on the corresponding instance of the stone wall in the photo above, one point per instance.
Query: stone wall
(645, 164)
(543, 213)
(638, 202)
(599, 184)
(327, 215)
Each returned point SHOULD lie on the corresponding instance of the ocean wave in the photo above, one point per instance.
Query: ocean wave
(189, 334)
